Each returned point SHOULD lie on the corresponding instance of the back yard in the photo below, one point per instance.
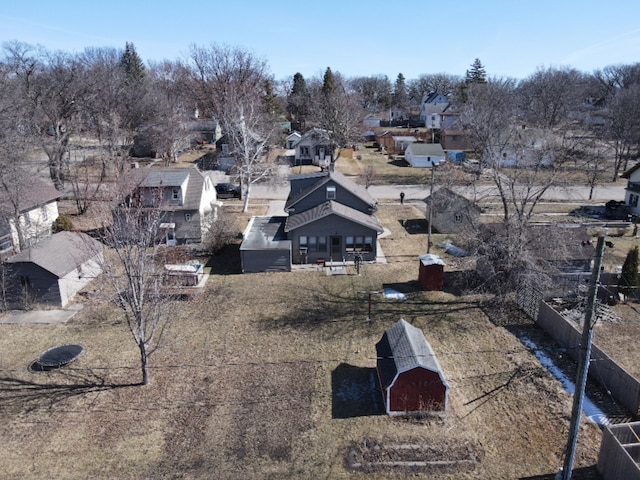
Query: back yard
(272, 376)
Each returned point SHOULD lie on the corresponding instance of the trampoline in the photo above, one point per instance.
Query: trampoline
(59, 356)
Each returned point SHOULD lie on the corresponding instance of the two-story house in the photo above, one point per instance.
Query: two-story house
(28, 208)
(432, 108)
(330, 218)
(186, 196)
(314, 148)
(632, 190)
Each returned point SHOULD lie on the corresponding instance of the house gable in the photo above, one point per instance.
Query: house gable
(308, 191)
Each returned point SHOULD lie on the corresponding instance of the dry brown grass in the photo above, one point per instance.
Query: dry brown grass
(271, 376)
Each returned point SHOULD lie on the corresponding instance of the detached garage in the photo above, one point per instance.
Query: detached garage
(55, 269)
(410, 377)
(422, 155)
(265, 247)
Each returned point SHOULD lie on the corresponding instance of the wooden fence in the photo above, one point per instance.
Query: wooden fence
(624, 388)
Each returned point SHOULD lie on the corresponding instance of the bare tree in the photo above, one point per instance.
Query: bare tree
(134, 269)
(549, 97)
(623, 129)
(49, 81)
(524, 163)
(337, 111)
(443, 83)
(374, 91)
(230, 85)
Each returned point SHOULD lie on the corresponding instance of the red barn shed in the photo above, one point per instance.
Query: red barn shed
(410, 376)
(431, 273)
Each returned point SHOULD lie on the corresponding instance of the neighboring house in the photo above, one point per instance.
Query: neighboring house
(330, 218)
(422, 155)
(314, 148)
(398, 113)
(394, 142)
(186, 196)
(292, 139)
(451, 212)
(632, 190)
(52, 271)
(433, 106)
(410, 376)
(28, 208)
(454, 140)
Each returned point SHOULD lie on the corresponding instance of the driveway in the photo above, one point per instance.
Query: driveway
(39, 316)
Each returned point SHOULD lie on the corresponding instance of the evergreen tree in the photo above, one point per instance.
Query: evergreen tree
(400, 90)
(328, 82)
(628, 282)
(477, 73)
(298, 100)
(270, 99)
(132, 64)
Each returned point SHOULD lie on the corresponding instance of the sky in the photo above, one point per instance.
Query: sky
(512, 38)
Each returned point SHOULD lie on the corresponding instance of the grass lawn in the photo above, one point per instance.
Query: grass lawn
(271, 376)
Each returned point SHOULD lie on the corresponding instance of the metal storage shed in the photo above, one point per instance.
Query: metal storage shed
(410, 375)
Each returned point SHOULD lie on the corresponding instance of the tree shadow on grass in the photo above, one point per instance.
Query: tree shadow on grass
(226, 261)
(355, 392)
(23, 394)
(341, 311)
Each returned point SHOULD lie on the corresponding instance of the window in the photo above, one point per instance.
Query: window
(331, 192)
(225, 148)
(187, 217)
(359, 244)
(322, 244)
(175, 194)
(458, 218)
(633, 200)
(304, 150)
(313, 244)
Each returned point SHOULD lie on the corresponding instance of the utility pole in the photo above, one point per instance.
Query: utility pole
(433, 172)
(583, 363)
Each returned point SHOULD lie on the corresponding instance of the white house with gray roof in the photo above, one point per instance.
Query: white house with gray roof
(28, 208)
(187, 197)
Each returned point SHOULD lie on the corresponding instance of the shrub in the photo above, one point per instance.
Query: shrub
(62, 224)
(221, 233)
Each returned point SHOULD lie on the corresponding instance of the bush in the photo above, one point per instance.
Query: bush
(221, 233)
(62, 224)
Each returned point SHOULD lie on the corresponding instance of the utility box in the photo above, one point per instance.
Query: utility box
(431, 273)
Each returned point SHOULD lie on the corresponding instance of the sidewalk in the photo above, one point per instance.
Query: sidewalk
(40, 316)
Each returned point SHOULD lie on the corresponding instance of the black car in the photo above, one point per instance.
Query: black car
(227, 190)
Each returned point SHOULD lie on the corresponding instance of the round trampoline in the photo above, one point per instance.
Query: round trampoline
(59, 356)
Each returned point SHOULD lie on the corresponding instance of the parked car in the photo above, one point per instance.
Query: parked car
(227, 190)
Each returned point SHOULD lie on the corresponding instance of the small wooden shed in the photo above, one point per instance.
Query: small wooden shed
(409, 373)
(431, 272)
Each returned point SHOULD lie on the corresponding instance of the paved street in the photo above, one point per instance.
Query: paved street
(419, 192)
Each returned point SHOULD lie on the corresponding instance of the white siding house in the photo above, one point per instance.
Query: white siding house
(424, 154)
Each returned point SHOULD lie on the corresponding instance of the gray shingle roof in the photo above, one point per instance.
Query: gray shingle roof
(426, 149)
(402, 348)
(27, 190)
(60, 253)
(332, 208)
(344, 182)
